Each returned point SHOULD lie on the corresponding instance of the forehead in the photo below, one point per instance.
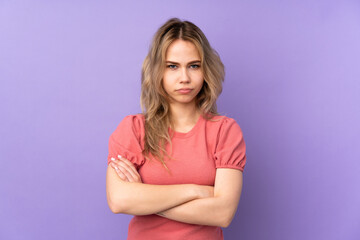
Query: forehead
(182, 51)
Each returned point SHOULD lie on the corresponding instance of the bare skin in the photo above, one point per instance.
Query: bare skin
(127, 172)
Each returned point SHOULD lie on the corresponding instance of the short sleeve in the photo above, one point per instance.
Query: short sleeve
(230, 151)
(126, 141)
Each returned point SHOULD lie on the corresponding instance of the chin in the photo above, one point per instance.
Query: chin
(186, 101)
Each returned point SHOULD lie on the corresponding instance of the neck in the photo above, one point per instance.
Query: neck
(184, 114)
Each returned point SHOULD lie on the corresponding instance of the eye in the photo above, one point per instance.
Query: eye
(195, 66)
(171, 66)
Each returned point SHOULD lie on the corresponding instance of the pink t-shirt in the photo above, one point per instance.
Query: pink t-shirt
(207, 146)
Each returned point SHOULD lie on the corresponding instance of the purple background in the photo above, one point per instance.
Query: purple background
(70, 71)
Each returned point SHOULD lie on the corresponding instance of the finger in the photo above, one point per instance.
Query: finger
(131, 175)
(115, 160)
(134, 175)
(119, 172)
(124, 160)
(130, 165)
(124, 169)
(123, 172)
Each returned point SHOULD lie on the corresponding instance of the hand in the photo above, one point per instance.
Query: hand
(125, 169)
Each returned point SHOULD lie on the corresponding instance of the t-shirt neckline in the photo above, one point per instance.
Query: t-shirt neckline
(187, 134)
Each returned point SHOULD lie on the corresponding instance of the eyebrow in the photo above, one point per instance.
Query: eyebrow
(196, 61)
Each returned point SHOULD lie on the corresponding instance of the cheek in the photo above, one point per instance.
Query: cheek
(166, 83)
(169, 79)
(198, 75)
(200, 79)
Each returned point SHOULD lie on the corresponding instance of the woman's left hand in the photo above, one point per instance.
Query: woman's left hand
(125, 169)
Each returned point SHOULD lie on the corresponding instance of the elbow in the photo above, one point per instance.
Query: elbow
(116, 205)
(225, 223)
(228, 217)
(114, 208)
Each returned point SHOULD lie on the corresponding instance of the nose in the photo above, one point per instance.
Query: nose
(184, 76)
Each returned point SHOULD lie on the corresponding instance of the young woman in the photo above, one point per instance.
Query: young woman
(177, 166)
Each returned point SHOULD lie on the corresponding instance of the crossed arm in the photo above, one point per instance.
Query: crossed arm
(188, 203)
(218, 210)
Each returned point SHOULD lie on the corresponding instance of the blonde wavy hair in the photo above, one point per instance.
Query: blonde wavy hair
(154, 100)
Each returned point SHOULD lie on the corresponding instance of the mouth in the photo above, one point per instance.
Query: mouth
(184, 90)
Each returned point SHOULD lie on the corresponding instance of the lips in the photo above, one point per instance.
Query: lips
(184, 89)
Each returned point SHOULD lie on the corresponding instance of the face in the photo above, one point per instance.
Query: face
(183, 71)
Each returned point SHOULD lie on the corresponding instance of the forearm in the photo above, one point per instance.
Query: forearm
(148, 199)
(206, 211)
(144, 199)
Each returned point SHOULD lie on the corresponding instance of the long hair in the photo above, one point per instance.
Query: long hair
(154, 100)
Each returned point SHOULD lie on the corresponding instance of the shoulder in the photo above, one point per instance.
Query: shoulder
(127, 139)
(223, 128)
(135, 116)
(131, 124)
(219, 122)
(230, 148)
(136, 120)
